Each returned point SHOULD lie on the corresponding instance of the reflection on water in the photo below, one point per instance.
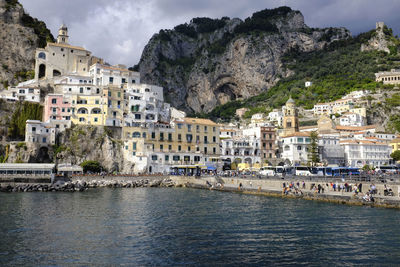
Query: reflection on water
(157, 226)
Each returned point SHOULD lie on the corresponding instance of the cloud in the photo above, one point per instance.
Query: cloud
(118, 30)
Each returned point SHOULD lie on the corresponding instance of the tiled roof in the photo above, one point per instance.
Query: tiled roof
(298, 134)
(355, 128)
(68, 46)
(197, 121)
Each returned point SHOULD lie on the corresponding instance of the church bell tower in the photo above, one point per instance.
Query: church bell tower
(290, 118)
(62, 37)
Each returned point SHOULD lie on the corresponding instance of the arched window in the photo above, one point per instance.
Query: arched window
(42, 55)
(144, 135)
(83, 111)
(136, 134)
(56, 73)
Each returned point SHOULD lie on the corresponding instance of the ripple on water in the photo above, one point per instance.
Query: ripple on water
(154, 226)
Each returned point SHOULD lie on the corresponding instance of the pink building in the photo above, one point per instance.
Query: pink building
(56, 107)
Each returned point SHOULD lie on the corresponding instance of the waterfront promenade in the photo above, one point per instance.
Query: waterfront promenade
(308, 188)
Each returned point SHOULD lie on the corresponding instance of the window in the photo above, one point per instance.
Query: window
(169, 147)
(123, 80)
(154, 157)
(214, 129)
(95, 119)
(179, 137)
(179, 125)
(62, 49)
(134, 146)
(205, 140)
(161, 147)
(298, 147)
(166, 157)
(119, 94)
(300, 140)
(188, 149)
(179, 148)
(42, 55)
(96, 102)
(161, 136)
(189, 138)
(54, 110)
(214, 150)
(44, 140)
(169, 136)
(214, 139)
(186, 158)
(153, 135)
(205, 128)
(111, 80)
(54, 101)
(196, 158)
(33, 129)
(176, 158)
(144, 135)
(189, 127)
(81, 119)
(205, 150)
(197, 127)
(81, 90)
(138, 116)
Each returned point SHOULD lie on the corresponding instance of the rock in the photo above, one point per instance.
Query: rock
(196, 78)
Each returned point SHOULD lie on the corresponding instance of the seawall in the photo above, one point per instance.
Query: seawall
(274, 188)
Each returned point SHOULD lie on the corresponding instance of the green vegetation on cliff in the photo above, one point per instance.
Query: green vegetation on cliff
(25, 111)
(335, 71)
(39, 27)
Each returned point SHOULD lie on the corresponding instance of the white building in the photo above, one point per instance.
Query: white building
(276, 117)
(13, 94)
(44, 133)
(104, 75)
(307, 84)
(258, 120)
(76, 85)
(331, 151)
(146, 104)
(295, 147)
(365, 152)
(352, 119)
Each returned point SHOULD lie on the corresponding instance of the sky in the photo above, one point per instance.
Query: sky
(118, 30)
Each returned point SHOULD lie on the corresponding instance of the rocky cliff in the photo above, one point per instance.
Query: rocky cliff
(382, 39)
(20, 35)
(75, 145)
(209, 62)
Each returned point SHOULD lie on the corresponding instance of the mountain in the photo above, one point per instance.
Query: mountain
(337, 69)
(209, 62)
(20, 35)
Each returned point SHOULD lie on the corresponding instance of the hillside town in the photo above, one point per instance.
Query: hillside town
(157, 137)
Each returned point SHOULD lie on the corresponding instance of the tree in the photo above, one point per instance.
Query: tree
(313, 155)
(396, 155)
(91, 166)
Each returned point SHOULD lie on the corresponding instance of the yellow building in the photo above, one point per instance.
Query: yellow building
(343, 108)
(156, 147)
(395, 144)
(88, 109)
(116, 105)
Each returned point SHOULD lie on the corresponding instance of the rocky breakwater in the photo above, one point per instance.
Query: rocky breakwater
(80, 186)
